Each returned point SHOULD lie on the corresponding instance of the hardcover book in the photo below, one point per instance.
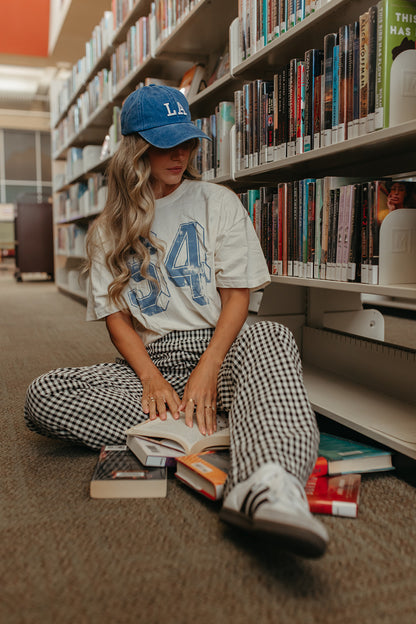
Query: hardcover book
(339, 455)
(119, 474)
(334, 496)
(205, 472)
(189, 438)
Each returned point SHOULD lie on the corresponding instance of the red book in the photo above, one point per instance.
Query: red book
(334, 496)
(321, 467)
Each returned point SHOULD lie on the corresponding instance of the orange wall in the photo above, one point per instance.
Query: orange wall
(24, 27)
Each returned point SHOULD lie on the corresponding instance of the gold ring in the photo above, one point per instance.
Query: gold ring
(152, 399)
(191, 401)
(208, 407)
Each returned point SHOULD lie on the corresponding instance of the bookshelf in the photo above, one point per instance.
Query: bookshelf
(351, 375)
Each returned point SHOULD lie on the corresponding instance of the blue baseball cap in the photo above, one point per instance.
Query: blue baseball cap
(160, 115)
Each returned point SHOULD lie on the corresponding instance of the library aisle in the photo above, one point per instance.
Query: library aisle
(68, 558)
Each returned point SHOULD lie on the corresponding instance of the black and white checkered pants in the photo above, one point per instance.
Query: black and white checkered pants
(260, 386)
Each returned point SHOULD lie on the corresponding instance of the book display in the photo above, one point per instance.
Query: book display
(319, 136)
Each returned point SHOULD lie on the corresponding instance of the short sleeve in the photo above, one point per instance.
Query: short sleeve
(99, 279)
(239, 258)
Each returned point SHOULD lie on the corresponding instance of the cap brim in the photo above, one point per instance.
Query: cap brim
(171, 135)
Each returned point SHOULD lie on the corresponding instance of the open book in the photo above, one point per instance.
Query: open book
(189, 439)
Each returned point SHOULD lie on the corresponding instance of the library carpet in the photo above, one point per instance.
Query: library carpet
(67, 558)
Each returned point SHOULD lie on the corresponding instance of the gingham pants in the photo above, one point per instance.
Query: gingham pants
(260, 386)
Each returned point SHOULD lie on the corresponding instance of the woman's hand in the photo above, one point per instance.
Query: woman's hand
(157, 394)
(200, 396)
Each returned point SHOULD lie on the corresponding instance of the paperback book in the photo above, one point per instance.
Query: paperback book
(205, 472)
(190, 439)
(119, 474)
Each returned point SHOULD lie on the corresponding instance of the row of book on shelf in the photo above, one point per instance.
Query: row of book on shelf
(326, 228)
(355, 84)
(140, 467)
(322, 228)
(126, 55)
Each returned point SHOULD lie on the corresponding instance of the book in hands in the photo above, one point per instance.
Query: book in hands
(119, 474)
(334, 496)
(189, 439)
(205, 472)
(338, 455)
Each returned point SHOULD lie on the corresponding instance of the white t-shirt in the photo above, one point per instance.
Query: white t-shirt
(209, 243)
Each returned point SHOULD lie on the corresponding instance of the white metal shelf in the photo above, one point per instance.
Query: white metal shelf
(405, 291)
(384, 418)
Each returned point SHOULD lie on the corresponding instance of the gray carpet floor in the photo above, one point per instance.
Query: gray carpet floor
(69, 559)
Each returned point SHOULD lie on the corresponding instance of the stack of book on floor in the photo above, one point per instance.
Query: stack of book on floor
(139, 469)
(334, 485)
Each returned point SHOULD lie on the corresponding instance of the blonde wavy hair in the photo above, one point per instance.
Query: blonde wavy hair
(126, 221)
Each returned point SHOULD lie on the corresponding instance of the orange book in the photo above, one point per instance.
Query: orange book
(205, 472)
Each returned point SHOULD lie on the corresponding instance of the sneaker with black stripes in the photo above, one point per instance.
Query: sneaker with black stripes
(273, 502)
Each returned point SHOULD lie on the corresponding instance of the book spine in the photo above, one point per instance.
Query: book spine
(364, 28)
(275, 234)
(284, 115)
(372, 62)
(317, 110)
(309, 92)
(318, 229)
(355, 124)
(340, 233)
(292, 112)
(345, 75)
(378, 119)
(311, 190)
(398, 97)
(247, 123)
(333, 508)
(287, 231)
(275, 116)
(238, 119)
(335, 94)
(354, 245)
(300, 107)
(269, 155)
(295, 229)
(326, 119)
(283, 13)
(347, 233)
(364, 234)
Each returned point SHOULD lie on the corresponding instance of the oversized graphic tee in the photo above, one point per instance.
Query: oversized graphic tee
(209, 243)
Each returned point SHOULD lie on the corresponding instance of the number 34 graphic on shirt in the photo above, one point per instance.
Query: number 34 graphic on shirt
(186, 266)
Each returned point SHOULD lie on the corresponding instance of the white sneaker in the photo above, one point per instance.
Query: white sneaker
(273, 501)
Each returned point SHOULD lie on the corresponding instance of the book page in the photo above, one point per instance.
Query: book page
(190, 438)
